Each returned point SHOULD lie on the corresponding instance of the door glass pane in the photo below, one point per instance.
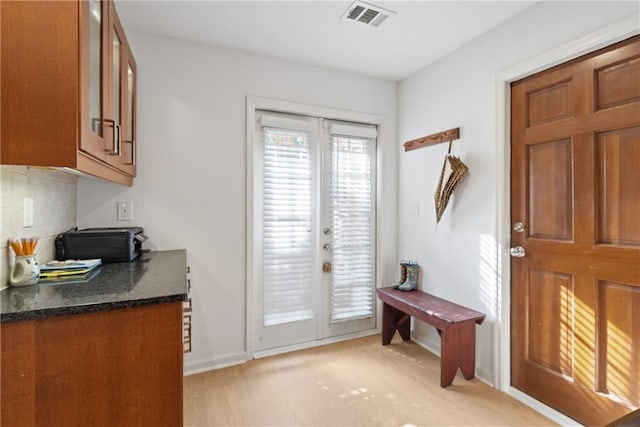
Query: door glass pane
(287, 223)
(352, 217)
(116, 78)
(95, 66)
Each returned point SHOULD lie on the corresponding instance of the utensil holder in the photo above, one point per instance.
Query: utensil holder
(25, 271)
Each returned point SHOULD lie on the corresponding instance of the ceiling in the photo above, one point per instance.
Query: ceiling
(313, 32)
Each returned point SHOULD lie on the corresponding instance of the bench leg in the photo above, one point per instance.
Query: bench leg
(458, 349)
(392, 320)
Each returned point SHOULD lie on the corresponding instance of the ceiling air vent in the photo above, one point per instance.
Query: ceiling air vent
(367, 13)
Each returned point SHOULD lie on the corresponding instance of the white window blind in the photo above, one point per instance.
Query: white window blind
(352, 216)
(287, 223)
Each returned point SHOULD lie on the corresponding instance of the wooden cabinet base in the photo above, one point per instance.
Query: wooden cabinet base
(120, 367)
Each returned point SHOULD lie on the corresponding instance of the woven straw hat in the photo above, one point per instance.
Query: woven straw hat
(453, 170)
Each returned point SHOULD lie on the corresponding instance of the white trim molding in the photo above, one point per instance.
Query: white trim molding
(215, 363)
(311, 344)
(619, 31)
(547, 411)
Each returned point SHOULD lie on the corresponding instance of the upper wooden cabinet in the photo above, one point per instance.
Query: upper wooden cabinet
(68, 88)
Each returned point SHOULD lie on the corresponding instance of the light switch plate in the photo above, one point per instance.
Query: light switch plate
(125, 211)
(27, 212)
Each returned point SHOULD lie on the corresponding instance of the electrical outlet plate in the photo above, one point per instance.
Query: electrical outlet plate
(125, 211)
(27, 212)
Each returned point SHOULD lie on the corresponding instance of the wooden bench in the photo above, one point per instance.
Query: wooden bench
(455, 324)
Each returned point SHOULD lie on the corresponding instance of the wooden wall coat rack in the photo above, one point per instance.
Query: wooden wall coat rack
(436, 138)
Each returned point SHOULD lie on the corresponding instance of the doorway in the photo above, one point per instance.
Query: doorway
(575, 194)
(314, 229)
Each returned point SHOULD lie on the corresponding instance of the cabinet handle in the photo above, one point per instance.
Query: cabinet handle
(114, 150)
(118, 144)
(133, 152)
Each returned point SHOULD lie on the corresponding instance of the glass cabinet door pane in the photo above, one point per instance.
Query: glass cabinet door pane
(95, 66)
(116, 78)
(131, 81)
(129, 128)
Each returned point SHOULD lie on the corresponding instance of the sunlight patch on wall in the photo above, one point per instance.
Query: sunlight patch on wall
(488, 274)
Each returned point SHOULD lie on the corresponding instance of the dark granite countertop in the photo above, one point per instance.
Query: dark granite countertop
(154, 278)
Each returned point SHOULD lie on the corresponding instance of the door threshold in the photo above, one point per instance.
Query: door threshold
(543, 409)
(310, 344)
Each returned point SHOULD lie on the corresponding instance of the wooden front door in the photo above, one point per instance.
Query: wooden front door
(575, 187)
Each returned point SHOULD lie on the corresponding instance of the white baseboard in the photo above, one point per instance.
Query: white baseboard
(302, 346)
(220, 362)
(241, 357)
(485, 376)
(426, 342)
(545, 410)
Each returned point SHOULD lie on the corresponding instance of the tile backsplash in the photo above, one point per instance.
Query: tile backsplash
(54, 196)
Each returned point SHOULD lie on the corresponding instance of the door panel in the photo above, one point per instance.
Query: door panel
(550, 185)
(286, 245)
(549, 327)
(614, 84)
(618, 186)
(575, 183)
(549, 103)
(618, 328)
(350, 214)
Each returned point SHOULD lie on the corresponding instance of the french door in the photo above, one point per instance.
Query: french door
(313, 229)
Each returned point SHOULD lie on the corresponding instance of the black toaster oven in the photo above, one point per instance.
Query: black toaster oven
(118, 244)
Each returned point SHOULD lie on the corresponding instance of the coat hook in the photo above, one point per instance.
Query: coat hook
(437, 138)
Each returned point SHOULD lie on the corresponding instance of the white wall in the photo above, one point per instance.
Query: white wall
(459, 257)
(190, 189)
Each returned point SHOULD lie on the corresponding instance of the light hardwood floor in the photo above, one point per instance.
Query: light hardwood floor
(354, 383)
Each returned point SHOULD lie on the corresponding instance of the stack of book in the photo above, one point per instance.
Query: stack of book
(70, 269)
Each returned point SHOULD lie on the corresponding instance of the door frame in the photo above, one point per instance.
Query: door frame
(611, 34)
(260, 103)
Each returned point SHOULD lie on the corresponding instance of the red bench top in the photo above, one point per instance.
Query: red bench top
(430, 305)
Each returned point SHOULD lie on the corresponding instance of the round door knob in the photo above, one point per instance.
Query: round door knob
(517, 252)
(518, 227)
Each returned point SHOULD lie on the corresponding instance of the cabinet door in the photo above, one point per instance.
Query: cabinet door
(129, 127)
(105, 57)
(125, 100)
(96, 129)
(108, 368)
